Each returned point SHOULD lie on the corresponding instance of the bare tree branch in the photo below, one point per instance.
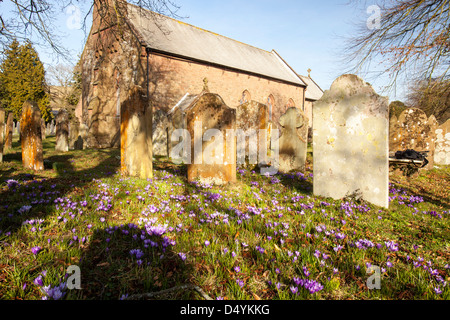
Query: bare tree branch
(413, 38)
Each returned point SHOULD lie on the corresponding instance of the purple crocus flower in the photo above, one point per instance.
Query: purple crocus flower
(182, 255)
(38, 281)
(36, 250)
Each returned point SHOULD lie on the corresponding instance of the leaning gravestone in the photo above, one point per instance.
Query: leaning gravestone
(31, 137)
(414, 130)
(9, 132)
(62, 131)
(252, 118)
(2, 132)
(442, 144)
(136, 136)
(350, 142)
(211, 125)
(293, 141)
(160, 134)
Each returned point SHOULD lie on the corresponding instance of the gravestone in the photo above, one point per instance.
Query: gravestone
(177, 118)
(350, 142)
(62, 131)
(293, 141)
(2, 132)
(211, 125)
(413, 130)
(9, 131)
(160, 134)
(43, 133)
(136, 136)
(442, 144)
(31, 136)
(251, 118)
(52, 127)
(75, 139)
(47, 129)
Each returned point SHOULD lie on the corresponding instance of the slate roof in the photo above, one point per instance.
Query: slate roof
(313, 91)
(167, 35)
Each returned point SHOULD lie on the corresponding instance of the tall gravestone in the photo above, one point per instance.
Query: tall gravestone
(293, 141)
(414, 130)
(350, 142)
(136, 136)
(62, 131)
(211, 125)
(2, 132)
(251, 118)
(442, 144)
(31, 137)
(9, 132)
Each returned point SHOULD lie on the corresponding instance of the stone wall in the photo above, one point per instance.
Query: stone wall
(172, 79)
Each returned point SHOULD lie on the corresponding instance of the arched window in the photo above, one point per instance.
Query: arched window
(246, 97)
(271, 105)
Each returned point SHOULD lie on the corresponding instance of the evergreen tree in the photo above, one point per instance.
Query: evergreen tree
(22, 76)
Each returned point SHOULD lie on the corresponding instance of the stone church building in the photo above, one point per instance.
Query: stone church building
(169, 59)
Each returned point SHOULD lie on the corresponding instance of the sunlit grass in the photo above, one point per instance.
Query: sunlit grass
(250, 240)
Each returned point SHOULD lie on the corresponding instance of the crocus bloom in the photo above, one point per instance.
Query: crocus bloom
(36, 250)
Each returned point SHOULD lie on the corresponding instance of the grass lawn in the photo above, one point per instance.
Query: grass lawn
(261, 238)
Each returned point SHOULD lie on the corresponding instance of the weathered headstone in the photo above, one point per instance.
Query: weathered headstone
(9, 132)
(413, 130)
(75, 140)
(136, 136)
(52, 127)
(251, 118)
(177, 117)
(62, 131)
(31, 137)
(442, 144)
(2, 132)
(211, 125)
(160, 134)
(43, 133)
(293, 141)
(350, 142)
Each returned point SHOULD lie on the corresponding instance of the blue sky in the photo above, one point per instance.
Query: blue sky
(307, 34)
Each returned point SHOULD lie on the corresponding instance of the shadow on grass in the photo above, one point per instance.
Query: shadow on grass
(39, 189)
(110, 269)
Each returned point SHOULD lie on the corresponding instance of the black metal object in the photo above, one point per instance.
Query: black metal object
(414, 156)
